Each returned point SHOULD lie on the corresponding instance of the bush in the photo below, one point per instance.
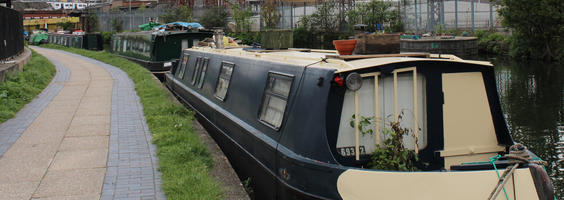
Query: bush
(182, 13)
(493, 42)
(537, 27)
(216, 17)
(107, 37)
(316, 40)
(247, 38)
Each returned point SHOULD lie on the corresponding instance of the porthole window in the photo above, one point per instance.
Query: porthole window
(182, 66)
(196, 70)
(223, 80)
(275, 99)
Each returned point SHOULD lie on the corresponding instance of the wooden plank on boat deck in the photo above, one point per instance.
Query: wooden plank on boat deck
(354, 57)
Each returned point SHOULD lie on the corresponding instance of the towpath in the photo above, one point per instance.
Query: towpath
(83, 137)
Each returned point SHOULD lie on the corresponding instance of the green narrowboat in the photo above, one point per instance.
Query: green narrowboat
(156, 50)
(90, 41)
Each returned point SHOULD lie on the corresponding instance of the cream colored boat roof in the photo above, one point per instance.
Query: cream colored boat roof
(325, 58)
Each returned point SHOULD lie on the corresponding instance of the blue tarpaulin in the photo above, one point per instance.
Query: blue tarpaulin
(184, 24)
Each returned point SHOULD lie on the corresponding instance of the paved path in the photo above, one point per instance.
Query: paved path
(83, 137)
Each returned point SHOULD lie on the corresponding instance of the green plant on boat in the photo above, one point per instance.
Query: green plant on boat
(363, 124)
(391, 154)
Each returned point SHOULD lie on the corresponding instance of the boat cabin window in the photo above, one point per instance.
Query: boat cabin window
(223, 80)
(200, 82)
(399, 96)
(197, 68)
(182, 66)
(275, 99)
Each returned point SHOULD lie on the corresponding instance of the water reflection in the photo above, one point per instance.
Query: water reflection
(532, 97)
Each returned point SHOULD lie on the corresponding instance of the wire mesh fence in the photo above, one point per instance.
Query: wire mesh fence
(110, 20)
(417, 16)
(430, 15)
(11, 33)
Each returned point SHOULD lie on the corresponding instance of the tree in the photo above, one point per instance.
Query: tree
(326, 18)
(181, 13)
(142, 8)
(270, 15)
(66, 25)
(373, 13)
(242, 18)
(117, 25)
(216, 17)
(538, 27)
(92, 23)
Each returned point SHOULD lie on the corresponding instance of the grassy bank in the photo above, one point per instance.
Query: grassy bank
(183, 159)
(20, 88)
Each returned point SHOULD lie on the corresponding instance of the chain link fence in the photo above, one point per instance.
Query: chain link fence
(11, 33)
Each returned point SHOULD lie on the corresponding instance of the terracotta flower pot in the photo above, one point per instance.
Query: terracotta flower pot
(344, 47)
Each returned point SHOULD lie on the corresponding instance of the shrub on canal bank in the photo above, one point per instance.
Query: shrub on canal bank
(492, 42)
(184, 160)
(20, 88)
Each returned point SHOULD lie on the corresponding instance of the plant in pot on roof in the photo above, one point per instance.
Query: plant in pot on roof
(344, 47)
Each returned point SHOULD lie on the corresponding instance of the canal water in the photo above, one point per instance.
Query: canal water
(532, 98)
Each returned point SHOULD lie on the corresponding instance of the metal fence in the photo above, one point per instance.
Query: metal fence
(429, 15)
(129, 21)
(11, 33)
(418, 16)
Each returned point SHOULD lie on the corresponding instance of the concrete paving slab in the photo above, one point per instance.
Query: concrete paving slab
(71, 182)
(84, 143)
(25, 151)
(17, 191)
(102, 83)
(98, 91)
(96, 109)
(17, 171)
(88, 130)
(41, 137)
(91, 120)
(80, 159)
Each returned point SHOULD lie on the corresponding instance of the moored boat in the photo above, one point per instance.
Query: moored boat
(307, 124)
(156, 50)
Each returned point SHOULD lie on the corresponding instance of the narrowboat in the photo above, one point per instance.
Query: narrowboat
(156, 50)
(286, 120)
(89, 41)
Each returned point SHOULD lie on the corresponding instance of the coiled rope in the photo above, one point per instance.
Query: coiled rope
(517, 155)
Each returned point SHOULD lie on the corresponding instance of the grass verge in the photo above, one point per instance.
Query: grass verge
(183, 159)
(20, 88)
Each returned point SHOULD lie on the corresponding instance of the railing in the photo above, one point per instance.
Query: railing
(11, 33)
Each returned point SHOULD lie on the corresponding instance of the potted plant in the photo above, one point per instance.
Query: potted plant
(344, 47)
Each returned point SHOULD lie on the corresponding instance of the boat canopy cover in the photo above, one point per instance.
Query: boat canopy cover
(184, 24)
(148, 26)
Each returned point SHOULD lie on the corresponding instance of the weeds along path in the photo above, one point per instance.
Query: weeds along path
(17, 93)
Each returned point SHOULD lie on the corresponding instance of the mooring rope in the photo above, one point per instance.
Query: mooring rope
(517, 155)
